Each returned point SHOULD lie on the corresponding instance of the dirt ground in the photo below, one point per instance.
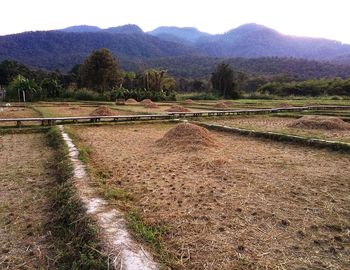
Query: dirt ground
(25, 181)
(245, 204)
(16, 112)
(280, 124)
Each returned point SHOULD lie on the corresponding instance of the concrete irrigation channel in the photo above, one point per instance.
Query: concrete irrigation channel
(124, 251)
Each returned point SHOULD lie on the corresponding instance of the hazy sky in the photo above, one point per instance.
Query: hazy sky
(316, 18)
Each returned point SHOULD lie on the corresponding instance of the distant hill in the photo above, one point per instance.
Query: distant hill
(202, 67)
(62, 49)
(253, 40)
(185, 35)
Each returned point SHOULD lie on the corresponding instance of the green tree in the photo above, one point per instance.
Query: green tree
(157, 80)
(99, 71)
(51, 88)
(223, 81)
(23, 89)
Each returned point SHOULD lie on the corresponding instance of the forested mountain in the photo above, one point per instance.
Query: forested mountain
(184, 51)
(62, 50)
(201, 67)
(185, 35)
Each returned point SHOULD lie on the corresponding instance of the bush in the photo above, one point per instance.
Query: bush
(140, 94)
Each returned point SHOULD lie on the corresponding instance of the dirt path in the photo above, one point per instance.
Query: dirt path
(25, 181)
(124, 252)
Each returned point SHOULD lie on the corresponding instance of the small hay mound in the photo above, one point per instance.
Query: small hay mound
(151, 105)
(320, 122)
(131, 101)
(188, 101)
(103, 111)
(177, 108)
(221, 105)
(188, 137)
(283, 105)
(146, 101)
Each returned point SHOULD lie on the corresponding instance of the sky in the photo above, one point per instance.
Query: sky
(314, 18)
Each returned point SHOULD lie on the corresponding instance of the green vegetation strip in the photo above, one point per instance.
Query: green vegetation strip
(76, 236)
(333, 145)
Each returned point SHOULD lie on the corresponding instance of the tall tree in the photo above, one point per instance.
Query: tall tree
(99, 71)
(223, 81)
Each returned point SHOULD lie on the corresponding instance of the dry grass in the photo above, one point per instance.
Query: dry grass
(25, 182)
(246, 204)
(281, 124)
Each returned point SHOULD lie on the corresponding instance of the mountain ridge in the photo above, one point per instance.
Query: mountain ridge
(63, 48)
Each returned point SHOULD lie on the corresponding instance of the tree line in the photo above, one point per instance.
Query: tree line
(99, 77)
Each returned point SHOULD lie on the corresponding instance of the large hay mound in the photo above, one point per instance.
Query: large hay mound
(103, 111)
(131, 101)
(320, 122)
(146, 101)
(177, 108)
(221, 105)
(187, 137)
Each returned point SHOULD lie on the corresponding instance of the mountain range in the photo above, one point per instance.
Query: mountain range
(61, 49)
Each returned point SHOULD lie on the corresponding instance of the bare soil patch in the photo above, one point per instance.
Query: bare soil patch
(320, 122)
(25, 183)
(246, 204)
(281, 124)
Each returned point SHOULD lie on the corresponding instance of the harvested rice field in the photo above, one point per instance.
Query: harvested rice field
(26, 179)
(157, 109)
(71, 110)
(17, 112)
(284, 125)
(227, 201)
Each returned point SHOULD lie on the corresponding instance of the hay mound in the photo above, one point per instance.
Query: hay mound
(320, 122)
(131, 101)
(187, 137)
(146, 101)
(188, 101)
(177, 108)
(151, 105)
(103, 111)
(221, 105)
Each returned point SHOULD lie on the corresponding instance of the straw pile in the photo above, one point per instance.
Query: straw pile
(146, 101)
(188, 101)
(151, 105)
(177, 108)
(187, 137)
(131, 101)
(320, 122)
(221, 105)
(103, 111)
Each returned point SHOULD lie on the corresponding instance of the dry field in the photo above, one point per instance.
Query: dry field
(280, 124)
(25, 181)
(16, 112)
(241, 203)
(139, 108)
(70, 110)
